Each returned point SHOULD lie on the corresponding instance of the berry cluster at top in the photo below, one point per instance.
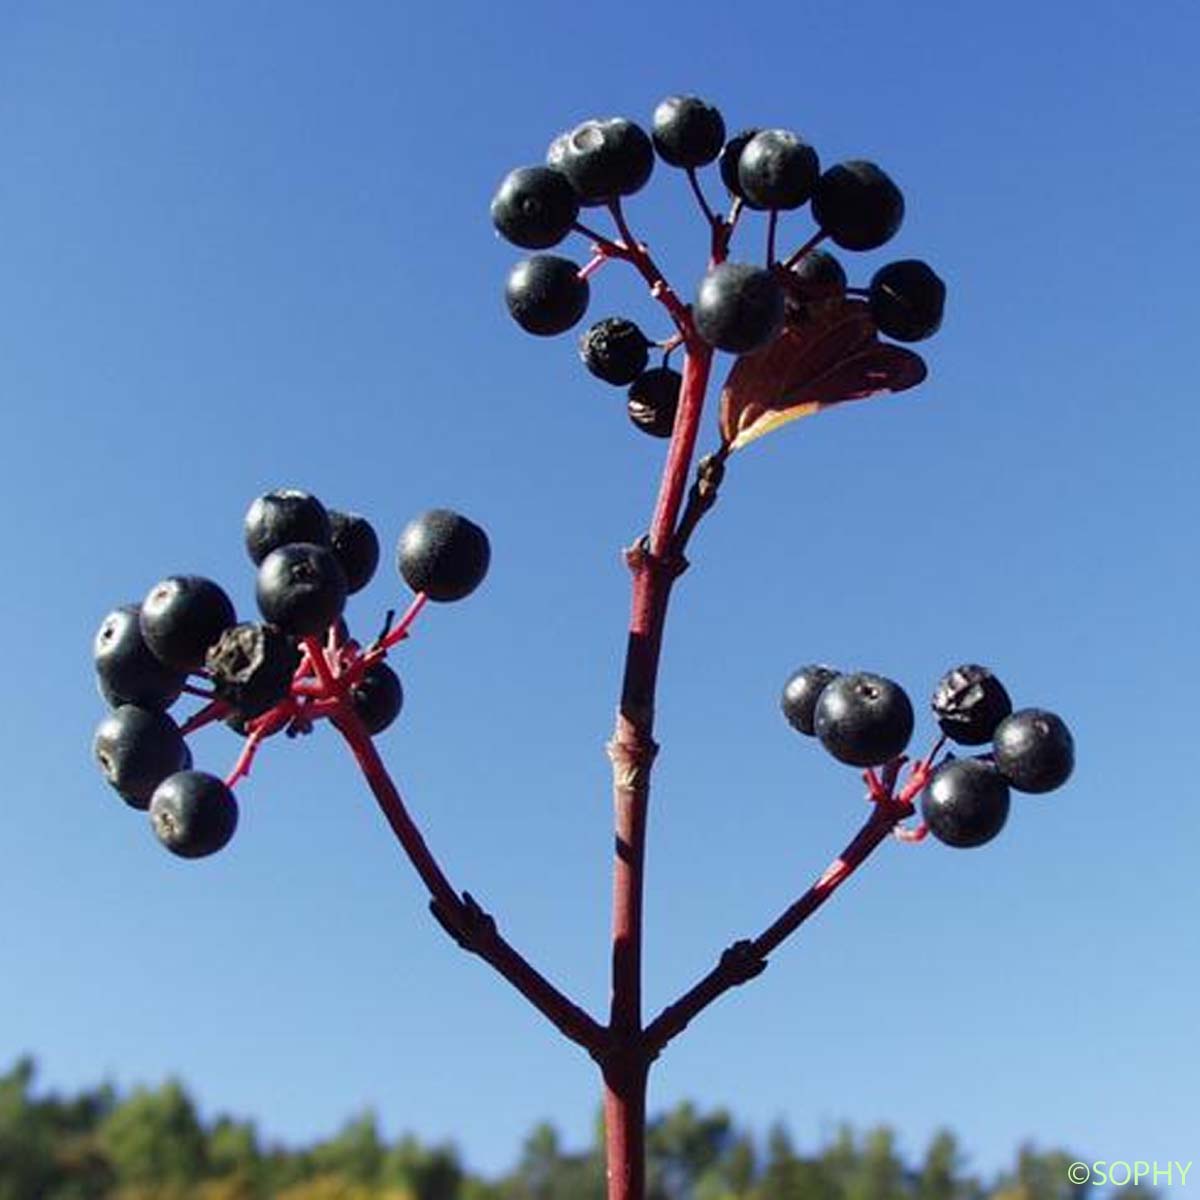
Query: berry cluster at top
(738, 307)
(298, 664)
(867, 721)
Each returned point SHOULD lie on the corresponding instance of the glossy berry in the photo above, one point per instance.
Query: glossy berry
(282, 517)
(137, 749)
(777, 170)
(739, 307)
(127, 670)
(858, 205)
(545, 294)
(615, 350)
(356, 546)
(966, 802)
(443, 554)
(604, 158)
(864, 720)
(800, 695)
(969, 702)
(819, 275)
(251, 667)
(907, 300)
(182, 616)
(728, 162)
(687, 132)
(378, 698)
(654, 400)
(193, 814)
(301, 588)
(535, 207)
(1034, 750)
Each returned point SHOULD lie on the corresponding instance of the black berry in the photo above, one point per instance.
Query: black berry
(966, 802)
(739, 307)
(182, 616)
(800, 695)
(193, 814)
(137, 749)
(251, 667)
(356, 546)
(378, 698)
(127, 670)
(654, 400)
(864, 720)
(857, 205)
(615, 350)
(777, 170)
(545, 294)
(535, 207)
(282, 517)
(301, 588)
(1034, 750)
(820, 276)
(604, 158)
(969, 702)
(907, 300)
(687, 132)
(728, 162)
(443, 554)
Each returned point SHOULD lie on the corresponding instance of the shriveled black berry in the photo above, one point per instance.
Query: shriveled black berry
(907, 300)
(654, 400)
(739, 307)
(443, 554)
(301, 588)
(800, 695)
(777, 170)
(604, 158)
(969, 702)
(728, 162)
(182, 616)
(615, 350)
(966, 802)
(858, 205)
(251, 667)
(1034, 750)
(535, 207)
(355, 545)
(193, 814)
(687, 132)
(282, 517)
(127, 671)
(137, 749)
(545, 294)
(864, 720)
(378, 698)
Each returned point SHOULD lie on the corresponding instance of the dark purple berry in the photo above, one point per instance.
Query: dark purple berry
(604, 158)
(193, 814)
(443, 554)
(615, 350)
(864, 720)
(654, 400)
(777, 170)
(127, 670)
(545, 294)
(907, 300)
(356, 546)
(378, 698)
(301, 588)
(182, 616)
(687, 132)
(1034, 750)
(857, 205)
(137, 749)
(800, 695)
(282, 517)
(966, 802)
(739, 307)
(820, 276)
(251, 667)
(969, 702)
(728, 162)
(535, 207)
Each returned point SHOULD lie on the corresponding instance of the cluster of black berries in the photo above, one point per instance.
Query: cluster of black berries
(866, 721)
(738, 307)
(309, 560)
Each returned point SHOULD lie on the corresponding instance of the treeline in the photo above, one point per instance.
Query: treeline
(151, 1144)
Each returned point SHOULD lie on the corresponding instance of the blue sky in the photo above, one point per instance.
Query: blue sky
(247, 246)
